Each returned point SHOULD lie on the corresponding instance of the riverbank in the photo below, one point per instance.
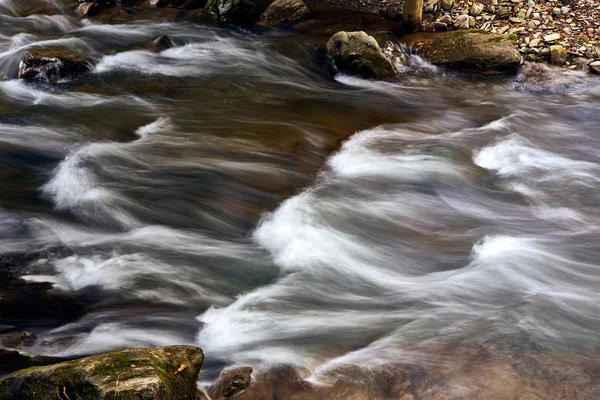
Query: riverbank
(563, 35)
(171, 373)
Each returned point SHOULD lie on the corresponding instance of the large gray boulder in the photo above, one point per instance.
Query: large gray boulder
(52, 65)
(284, 11)
(160, 373)
(470, 51)
(358, 53)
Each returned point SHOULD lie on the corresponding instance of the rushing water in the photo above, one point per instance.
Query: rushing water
(200, 203)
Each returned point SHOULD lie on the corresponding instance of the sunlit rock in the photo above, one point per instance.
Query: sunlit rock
(161, 373)
(471, 51)
(358, 53)
(284, 11)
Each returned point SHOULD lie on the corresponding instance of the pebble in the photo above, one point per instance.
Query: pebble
(447, 5)
(476, 9)
(553, 37)
(462, 22)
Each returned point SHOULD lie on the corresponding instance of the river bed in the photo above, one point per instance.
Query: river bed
(229, 193)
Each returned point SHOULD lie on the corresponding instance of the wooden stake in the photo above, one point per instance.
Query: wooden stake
(413, 15)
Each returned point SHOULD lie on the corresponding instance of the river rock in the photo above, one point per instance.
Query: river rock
(360, 54)
(237, 12)
(160, 373)
(160, 43)
(284, 11)
(503, 13)
(52, 65)
(231, 383)
(476, 9)
(431, 6)
(595, 67)
(558, 55)
(462, 22)
(468, 51)
(447, 5)
(178, 3)
(551, 38)
(88, 9)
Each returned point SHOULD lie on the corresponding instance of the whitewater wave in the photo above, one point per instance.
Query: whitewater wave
(355, 274)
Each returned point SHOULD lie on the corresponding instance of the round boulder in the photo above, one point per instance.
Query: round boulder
(358, 53)
(284, 11)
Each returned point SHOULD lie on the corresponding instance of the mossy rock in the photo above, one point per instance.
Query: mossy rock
(284, 12)
(471, 51)
(161, 373)
(359, 54)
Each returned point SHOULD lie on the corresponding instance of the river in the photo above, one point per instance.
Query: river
(229, 193)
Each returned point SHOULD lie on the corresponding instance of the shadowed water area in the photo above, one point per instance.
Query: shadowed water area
(229, 193)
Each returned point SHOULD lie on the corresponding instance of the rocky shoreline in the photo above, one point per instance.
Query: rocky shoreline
(541, 31)
(171, 373)
(562, 32)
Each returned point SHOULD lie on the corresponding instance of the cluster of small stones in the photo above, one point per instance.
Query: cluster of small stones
(563, 32)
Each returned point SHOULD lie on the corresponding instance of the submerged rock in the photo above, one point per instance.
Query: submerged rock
(178, 3)
(468, 51)
(595, 67)
(161, 373)
(161, 43)
(284, 11)
(231, 383)
(237, 12)
(52, 65)
(360, 54)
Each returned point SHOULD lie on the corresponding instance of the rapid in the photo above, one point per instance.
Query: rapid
(229, 193)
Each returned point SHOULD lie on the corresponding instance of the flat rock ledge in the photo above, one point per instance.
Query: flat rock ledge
(469, 51)
(160, 373)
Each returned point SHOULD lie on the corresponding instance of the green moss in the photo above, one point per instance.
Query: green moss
(29, 369)
(114, 365)
(4, 392)
(470, 31)
(513, 37)
(32, 385)
(496, 39)
(174, 384)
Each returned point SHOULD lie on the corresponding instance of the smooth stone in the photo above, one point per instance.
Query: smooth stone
(447, 5)
(595, 67)
(468, 51)
(462, 22)
(358, 53)
(284, 11)
(551, 37)
(476, 9)
(558, 55)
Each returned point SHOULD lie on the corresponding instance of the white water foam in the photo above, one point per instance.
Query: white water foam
(351, 271)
